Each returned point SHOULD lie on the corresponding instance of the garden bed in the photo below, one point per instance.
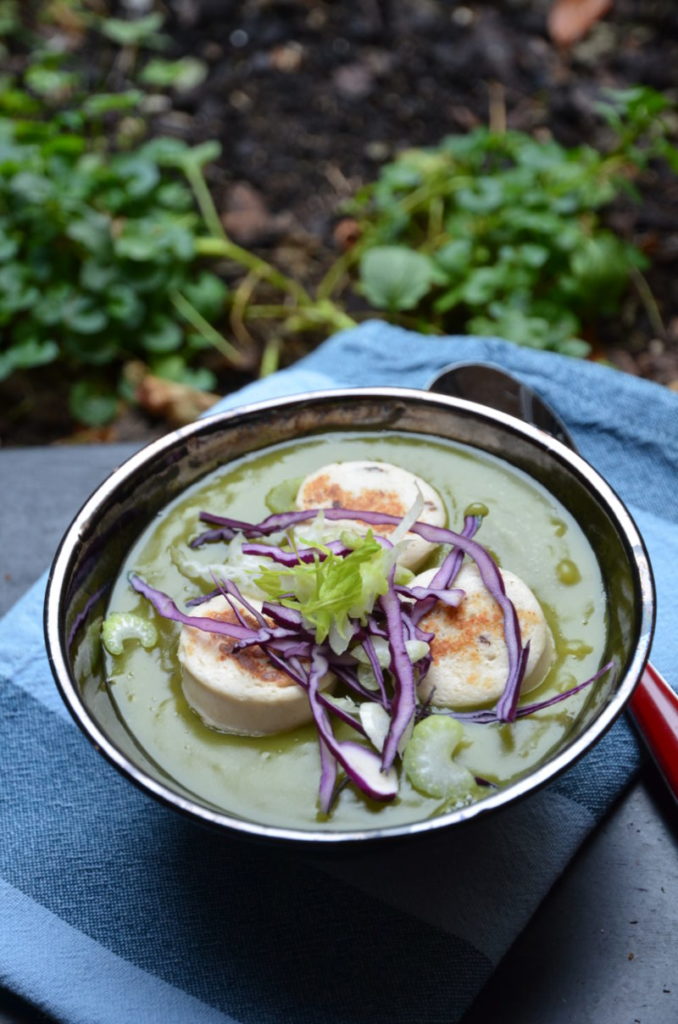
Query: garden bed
(310, 99)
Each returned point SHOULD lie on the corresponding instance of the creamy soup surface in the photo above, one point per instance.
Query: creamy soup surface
(274, 780)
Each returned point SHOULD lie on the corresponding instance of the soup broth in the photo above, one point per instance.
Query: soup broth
(274, 780)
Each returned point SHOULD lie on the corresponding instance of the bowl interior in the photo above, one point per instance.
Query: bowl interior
(95, 547)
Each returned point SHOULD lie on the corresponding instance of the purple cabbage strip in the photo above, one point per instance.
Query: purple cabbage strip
(293, 558)
(230, 592)
(451, 564)
(448, 570)
(328, 777)
(405, 697)
(203, 598)
(211, 537)
(529, 709)
(360, 764)
(507, 705)
(452, 598)
(350, 679)
(368, 647)
(489, 573)
(166, 607)
(288, 617)
(489, 716)
(244, 635)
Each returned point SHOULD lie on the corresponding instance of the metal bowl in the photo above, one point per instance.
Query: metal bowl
(96, 544)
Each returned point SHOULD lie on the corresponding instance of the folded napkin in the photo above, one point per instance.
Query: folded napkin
(115, 909)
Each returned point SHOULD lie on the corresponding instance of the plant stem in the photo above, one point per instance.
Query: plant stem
(219, 244)
(649, 302)
(335, 273)
(271, 312)
(270, 358)
(188, 311)
(213, 246)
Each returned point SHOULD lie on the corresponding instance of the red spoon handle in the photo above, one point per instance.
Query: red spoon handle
(654, 707)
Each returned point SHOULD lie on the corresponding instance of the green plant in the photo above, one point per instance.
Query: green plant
(501, 234)
(98, 247)
(107, 243)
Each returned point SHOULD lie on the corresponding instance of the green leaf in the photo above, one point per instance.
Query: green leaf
(174, 368)
(36, 188)
(394, 277)
(163, 335)
(183, 74)
(51, 82)
(92, 403)
(208, 294)
(174, 196)
(84, 316)
(8, 247)
(134, 32)
(139, 174)
(455, 257)
(166, 151)
(27, 353)
(18, 103)
(16, 291)
(482, 284)
(158, 238)
(99, 104)
(173, 153)
(92, 230)
(123, 304)
(95, 276)
(33, 352)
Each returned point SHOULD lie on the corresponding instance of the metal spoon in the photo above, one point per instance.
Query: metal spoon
(653, 705)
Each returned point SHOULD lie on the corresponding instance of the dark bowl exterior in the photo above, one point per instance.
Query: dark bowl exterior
(94, 548)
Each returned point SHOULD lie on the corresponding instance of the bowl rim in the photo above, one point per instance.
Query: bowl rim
(537, 778)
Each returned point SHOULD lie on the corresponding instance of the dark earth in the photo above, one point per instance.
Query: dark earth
(309, 98)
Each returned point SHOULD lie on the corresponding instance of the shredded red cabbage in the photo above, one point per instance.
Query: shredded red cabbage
(282, 633)
(405, 698)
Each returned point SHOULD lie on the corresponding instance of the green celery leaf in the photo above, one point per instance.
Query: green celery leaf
(332, 592)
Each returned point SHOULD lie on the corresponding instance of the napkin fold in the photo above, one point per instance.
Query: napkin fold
(116, 909)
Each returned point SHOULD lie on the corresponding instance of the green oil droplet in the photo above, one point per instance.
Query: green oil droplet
(559, 526)
(567, 572)
(577, 649)
(477, 508)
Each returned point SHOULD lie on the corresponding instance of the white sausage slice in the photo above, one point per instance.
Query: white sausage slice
(240, 693)
(374, 487)
(470, 660)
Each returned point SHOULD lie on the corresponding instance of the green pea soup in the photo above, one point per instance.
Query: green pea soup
(274, 780)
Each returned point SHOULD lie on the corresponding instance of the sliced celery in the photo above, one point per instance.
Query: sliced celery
(121, 626)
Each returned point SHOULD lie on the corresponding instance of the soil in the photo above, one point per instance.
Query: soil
(309, 98)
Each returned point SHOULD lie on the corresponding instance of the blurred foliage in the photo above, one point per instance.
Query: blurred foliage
(112, 249)
(501, 234)
(98, 239)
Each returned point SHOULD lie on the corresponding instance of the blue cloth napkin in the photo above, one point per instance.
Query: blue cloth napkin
(115, 909)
